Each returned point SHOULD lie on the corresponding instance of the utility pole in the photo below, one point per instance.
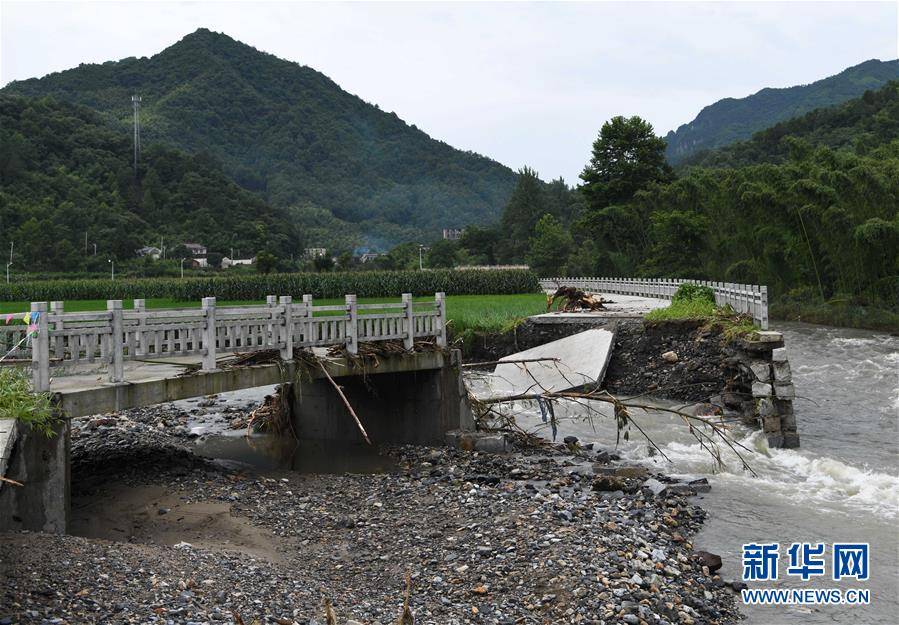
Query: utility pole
(182, 267)
(85, 242)
(135, 101)
(421, 266)
(112, 264)
(95, 249)
(9, 264)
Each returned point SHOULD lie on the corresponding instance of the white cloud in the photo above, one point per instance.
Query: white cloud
(522, 83)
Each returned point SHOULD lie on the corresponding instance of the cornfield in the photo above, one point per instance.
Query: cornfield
(319, 285)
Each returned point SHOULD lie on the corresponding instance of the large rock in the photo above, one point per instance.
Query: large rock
(711, 560)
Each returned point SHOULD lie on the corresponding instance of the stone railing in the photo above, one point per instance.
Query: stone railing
(744, 298)
(115, 335)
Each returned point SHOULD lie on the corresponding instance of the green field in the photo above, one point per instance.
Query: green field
(490, 313)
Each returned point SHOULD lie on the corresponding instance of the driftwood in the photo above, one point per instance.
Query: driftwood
(9, 481)
(507, 362)
(575, 300)
(345, 402)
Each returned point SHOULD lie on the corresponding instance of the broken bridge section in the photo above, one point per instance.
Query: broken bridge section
(575, 361)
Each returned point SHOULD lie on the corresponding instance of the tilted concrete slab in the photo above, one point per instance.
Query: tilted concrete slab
(582, 361)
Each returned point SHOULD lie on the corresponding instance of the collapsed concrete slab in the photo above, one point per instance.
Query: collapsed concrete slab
(581, 360)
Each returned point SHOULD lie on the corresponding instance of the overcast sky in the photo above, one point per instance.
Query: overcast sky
(524, 83)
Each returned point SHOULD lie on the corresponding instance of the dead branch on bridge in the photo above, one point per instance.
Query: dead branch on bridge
(345, 402)
(9, 481)
(575, 300)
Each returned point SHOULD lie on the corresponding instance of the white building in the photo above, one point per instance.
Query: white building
(233, 262)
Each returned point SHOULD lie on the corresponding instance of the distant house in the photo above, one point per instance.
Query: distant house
(153, 252)
(233, 262)
(198, 263)
(315, 252)
(452, 234)
(196, 249)
(368, 256)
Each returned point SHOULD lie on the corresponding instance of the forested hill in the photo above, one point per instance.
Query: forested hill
(291, 134)
(730, 119)
(66, 179)
(862, 125)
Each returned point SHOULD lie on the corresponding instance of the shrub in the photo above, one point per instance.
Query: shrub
(18, 402)
(689, 292)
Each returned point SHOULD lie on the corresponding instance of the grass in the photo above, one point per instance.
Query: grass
(731, 324)
(466, 313)
(18, 402)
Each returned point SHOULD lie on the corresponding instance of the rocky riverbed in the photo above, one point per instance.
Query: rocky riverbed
(563, 535)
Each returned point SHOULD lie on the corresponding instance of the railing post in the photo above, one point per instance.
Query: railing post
(117, 347)
(209, 347)
(40, 347)
(309, 327)
(440, 300)
(272, 339)
(287, 335)
(764, 312)
(140, 307)
(352, 329)
(58, 309)
(409, 339)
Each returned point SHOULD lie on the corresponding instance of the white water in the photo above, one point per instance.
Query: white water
(842, 485)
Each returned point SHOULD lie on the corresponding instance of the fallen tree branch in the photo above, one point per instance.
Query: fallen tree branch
(9, 481)
(345, 402)
(507, 362)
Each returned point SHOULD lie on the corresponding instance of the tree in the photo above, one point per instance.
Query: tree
(549, 247)
(442, 254)
(525, 207)
(266, 262)
(627, 157)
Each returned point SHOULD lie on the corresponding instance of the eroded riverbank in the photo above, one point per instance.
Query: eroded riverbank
(521, 537)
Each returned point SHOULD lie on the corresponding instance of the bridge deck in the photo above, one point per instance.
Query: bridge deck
(85, 392)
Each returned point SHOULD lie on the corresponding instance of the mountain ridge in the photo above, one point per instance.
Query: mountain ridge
(734, 119)
(290, 133)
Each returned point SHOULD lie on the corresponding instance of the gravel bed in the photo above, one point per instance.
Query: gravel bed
(526, 537)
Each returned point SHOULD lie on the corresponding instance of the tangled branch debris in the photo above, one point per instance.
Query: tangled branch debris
(709, 432)
(575, 300)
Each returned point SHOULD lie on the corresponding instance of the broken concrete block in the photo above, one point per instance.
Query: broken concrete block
(771, 424)
(779, 354)
(769, 336)
(785, 391)
(654, 487)
(766, 408)
(782, 372)
(761, 370)
(760, 389)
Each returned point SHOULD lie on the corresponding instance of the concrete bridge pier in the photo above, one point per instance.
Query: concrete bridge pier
(402, 401)
(41, 464)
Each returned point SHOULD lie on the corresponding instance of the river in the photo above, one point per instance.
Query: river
(841, 485)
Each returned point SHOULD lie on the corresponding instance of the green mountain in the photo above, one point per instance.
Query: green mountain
(730, 119)
(67, 182)
(290, 134)
(862, 125)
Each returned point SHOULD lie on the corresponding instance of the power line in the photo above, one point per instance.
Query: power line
(135, 101)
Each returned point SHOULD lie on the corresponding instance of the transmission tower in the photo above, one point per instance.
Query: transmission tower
(135, 100)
